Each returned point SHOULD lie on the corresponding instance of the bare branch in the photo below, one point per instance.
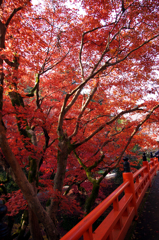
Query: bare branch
(82, 111)
(103, 54)
(52, 142)
(96, 163)
(12, 15)
(103, 125)
(80, 161)
(52, 65)
(135, 131)
(41, 18)
(108, 63)
(62, 114)
(80, 56)
(11, 64)
(37, 91)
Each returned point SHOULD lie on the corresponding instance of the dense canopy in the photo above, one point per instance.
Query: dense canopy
(78, 90)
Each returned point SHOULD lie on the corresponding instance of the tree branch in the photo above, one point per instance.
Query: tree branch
(108, 63)
(135, 131)
(52, 65)
(82, 111)
(103, 125)
(12, 15)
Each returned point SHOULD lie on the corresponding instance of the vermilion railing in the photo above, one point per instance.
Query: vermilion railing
(118, 221)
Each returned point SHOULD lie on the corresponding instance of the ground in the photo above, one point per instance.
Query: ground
(146, 227)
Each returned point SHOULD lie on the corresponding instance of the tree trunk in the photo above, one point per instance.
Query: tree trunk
(17, 100)
(2, 45)
(34, 221)
(91, 199)
(59, 176)
(34, 226)
(24, 224)
(21, 180)
(27, 188)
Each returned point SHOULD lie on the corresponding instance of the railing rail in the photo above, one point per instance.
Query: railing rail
(118, 221)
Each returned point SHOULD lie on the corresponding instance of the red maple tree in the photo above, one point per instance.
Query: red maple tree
(66, 78)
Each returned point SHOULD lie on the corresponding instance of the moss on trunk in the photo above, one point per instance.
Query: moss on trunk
(91, 199)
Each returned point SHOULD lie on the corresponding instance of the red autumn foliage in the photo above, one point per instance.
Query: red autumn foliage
(71, 79)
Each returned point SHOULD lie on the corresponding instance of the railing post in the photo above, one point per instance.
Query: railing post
(88, 235)
(157, 163)
(128, 176)
(4, 230)
(147, 170)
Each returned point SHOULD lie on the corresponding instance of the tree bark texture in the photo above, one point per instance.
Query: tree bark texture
(26, 188)
(2, 45)
(91, 199)
(59, 176)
